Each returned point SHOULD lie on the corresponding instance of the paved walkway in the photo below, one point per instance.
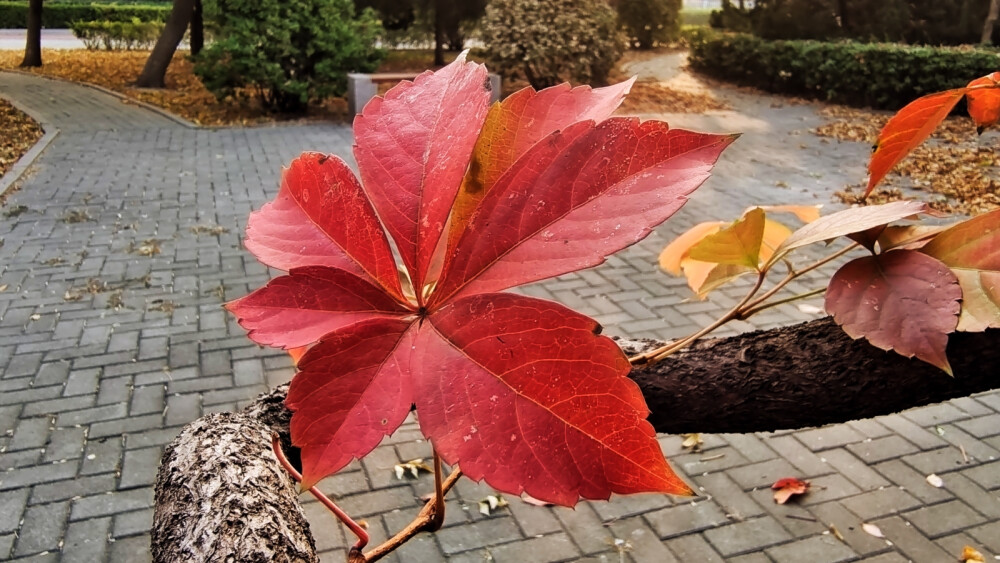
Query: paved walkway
(112, 338)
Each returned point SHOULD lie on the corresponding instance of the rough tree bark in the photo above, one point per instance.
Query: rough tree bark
(804, 375)
(197, 28)
(33, 45)
(154, 71)
(990, 23)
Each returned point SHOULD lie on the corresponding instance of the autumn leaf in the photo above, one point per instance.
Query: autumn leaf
(901, 300)
(848, 221)
(972, 250)
(673, 254)
(907, 129)
(737, 244)
(495, 377)
(788, 487)
(971, 555)
(983, 98)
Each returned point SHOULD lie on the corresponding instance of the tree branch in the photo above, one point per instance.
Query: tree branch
(221, 488)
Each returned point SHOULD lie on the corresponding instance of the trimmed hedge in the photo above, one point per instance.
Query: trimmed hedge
(14, 15)
(878, 75)
(116, 36)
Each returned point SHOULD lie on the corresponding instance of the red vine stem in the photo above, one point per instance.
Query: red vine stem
(356, 528)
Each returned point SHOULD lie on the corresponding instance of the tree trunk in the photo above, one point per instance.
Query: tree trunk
(842, 14)
(991, 20)
(197, 28)
(155, 70)
(804, 375)
(438, 34)
(33, 45)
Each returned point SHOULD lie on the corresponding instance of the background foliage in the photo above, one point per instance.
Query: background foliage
(14, 15)
(650, 22)
(290, 52)
(115, 35)
(882, 76)
(548, 42)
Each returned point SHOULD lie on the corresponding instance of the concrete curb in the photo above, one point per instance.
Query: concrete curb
(145, 105)
(20, 168)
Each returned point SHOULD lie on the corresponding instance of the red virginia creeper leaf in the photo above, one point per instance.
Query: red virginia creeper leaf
(524, 394)
(902, 300)
(972, 250)
(849, 221)
(983, 98)
(788, 487)
(738, 244)
(322, 217)
(353, 388)
(907, 129)
(298, 309)
(580, 195)
(518, 122)
(412, 149)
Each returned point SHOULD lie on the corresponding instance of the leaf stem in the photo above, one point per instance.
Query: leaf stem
(658, 354)
(423, 522)
(750, 311)
(356, 528)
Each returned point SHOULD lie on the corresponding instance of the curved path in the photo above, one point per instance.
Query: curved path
(112, 337)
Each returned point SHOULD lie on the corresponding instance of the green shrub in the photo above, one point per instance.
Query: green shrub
(291, 52)
(929, 22)
(884, 76)
(551, 41)
(650, 22)
(15, 14)
(732, 18)
(115, 36)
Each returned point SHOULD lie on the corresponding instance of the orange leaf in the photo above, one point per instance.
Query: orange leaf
(805, 213)
(907, 129)
(297, 353)
(984, 100)
(676, 251)
(738, 244)
(788, 487)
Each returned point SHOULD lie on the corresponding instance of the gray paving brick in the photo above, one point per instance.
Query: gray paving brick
(829, 437)
(82, 381)
(126, 425)
(630, 506)
(849, 525)
(941, 460)
(741, 537)
(944, 518)
(987, 476)
(941, 413)
(817, 549)
(910, 542)
(881, 449)
(854, 469)
(86, 540)
(133, 549)
(65, 443)
(42, 529)
(139, 522)
(981, 427)
(641, 543)
(111, 503)
(693, 548)
(26, 476)
(74, 487)
(585, 528)
(736, 504)
(147, 399)
(988, 535)
(476, 535)
(6, 545)
(879, 503)
(808, 463)
(761, 474)
(31, 433)
(686, 518)
(911, 432)
(549, 548)
(102, 455)
(139, 467)
(12, 504)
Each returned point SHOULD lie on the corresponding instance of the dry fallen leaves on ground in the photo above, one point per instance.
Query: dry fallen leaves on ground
(184, 95)
(20, 132)
(956, 170)
(653, 97)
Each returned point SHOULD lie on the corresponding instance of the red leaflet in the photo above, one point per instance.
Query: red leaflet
(525, 394)
(907, 129)
(298, 309)
(413, 147)
(353, 389)
(579, 196)
(321, 217)
(902, 300)
(520, 392)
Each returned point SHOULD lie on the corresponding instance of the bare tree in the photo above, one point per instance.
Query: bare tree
(33, 46)
(155, 70)
(991, 20)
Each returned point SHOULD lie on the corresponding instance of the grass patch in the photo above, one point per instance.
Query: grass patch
(695, 16)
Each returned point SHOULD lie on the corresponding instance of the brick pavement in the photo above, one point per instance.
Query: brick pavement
(112, 338)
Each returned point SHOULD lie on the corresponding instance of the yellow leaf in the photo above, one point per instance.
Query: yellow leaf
(972, 555)
(738, 244)
(676, 251)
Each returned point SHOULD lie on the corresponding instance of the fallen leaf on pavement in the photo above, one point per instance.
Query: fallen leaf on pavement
(972, 555)
(872, 530)
(788, 487)
(935, 481)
